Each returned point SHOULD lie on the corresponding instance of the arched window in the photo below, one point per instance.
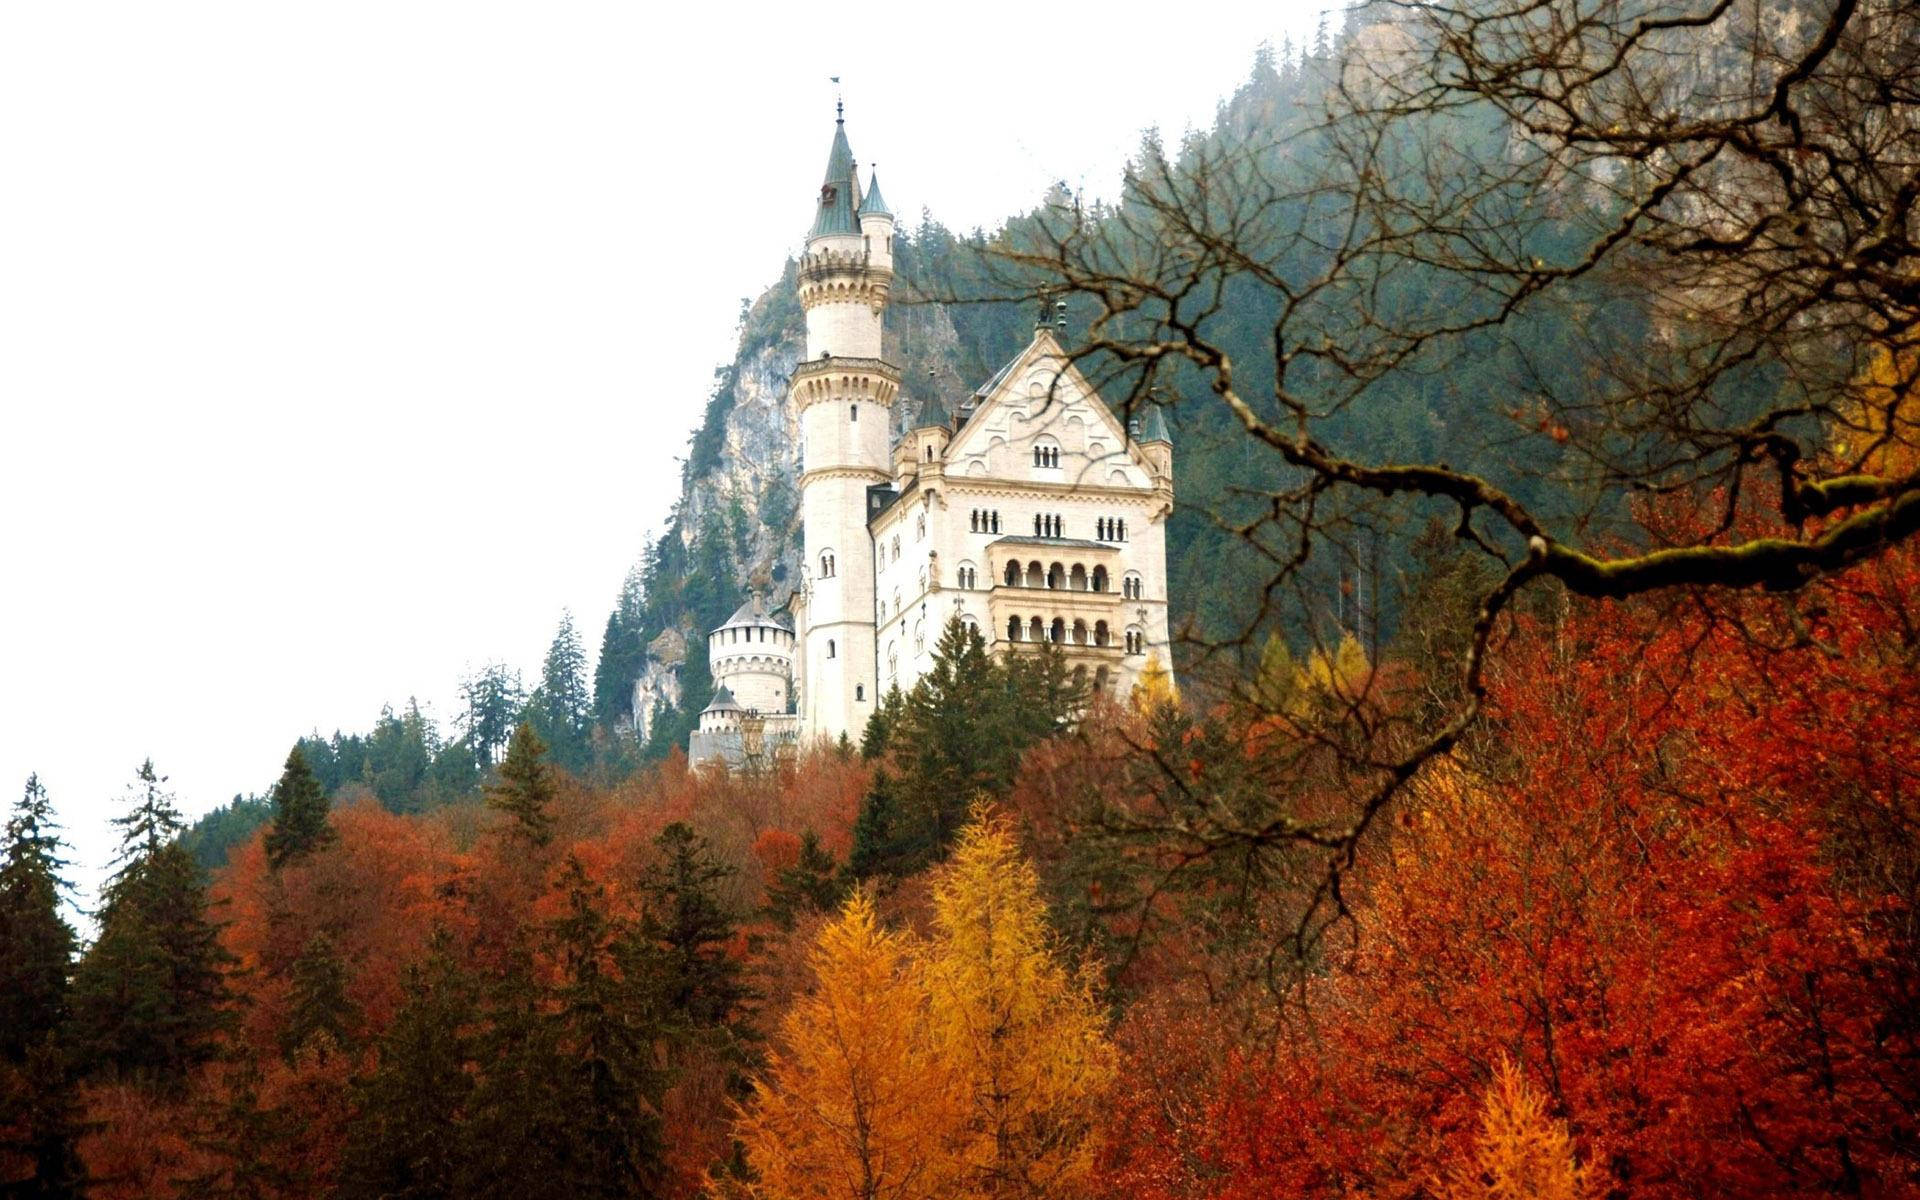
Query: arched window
(1035, 577)
(965, 576)
(893, 661)
(923, 579)
(920, 528)
(1057, 632)
(919, 637)
(1013, 573)
(1100, 580)
(1037, 526)
(1036, 631)
(1100, 635)
(1131, 587)
(829, 647)
(975, 521)
(1056, 576)
(1046, 453)
(896, 545)
(995, 514)
(859, 691)
(880, 556)
(1079, 633)
(853, 412)
(1013, 629)
(826, 564)
(1100, 681)
(1077, 578)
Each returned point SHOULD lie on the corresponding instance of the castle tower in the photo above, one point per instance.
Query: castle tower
(843, 393)
(751, 656)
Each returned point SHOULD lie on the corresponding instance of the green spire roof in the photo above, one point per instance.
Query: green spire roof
(836, 191)
(873, 203)
(1154, 428)
(933, 414)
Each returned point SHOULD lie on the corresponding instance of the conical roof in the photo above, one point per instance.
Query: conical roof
(722, 700)
(873, 203)
(1154, 428)
(933, 414)
(754, 612)
(836, 190)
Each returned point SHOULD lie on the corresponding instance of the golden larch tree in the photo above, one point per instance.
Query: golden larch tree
(852, 1106)
(1522, 1153)
(1022, 1036)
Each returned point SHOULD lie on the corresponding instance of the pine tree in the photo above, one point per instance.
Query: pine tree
(321, 1016)
(36, 943)
(150, 996)
(407, 1135)
(561, 708)
(686, 931)
(811, 884)
(1522, 1153)
(1022, 1033)
(493, 700)
(526, 789)
(40, 1116)
(299, 814)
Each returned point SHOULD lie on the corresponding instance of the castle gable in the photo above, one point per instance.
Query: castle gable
(1040, 420)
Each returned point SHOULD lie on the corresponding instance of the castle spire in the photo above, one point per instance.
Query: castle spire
(838, 189)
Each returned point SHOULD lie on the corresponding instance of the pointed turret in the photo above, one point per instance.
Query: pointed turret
(872, 204)
(837, 190)
(1154, 428)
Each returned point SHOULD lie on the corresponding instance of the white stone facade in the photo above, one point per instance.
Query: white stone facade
(1031, 513)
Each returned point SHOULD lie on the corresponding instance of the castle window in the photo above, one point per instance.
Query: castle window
(920, 528)
(1036, 630)
(1132, 587)
(1100, 579)
(1100, 635)
(880, 556)
(1013, 629)
(1077, 578)
(859, 691)
(829, 647)
(1079, 633)
(1057, 633)
(965, 578)
(995, 514)
(919, 638)
(853, 412)
(896, 545)
(1035, 576)
(923, 580)
(1013, 574)
(1056, 577)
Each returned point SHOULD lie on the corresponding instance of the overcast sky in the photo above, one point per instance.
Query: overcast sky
(344, 345)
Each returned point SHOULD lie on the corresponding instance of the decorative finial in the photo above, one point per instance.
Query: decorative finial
(839, 103)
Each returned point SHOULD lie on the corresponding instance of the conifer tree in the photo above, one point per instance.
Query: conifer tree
(686, 930)
(1522, 1152)
(526, 789)
(855, 1094)
(493, 700)
(40, 1116)
(150, 996)
(36, 943)
(811, 884)
(1023, 1034)
(407, 1135)
(299, 814)
(562, 707)
(322, 1016)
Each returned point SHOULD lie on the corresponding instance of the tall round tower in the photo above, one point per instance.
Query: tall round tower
(843, 393)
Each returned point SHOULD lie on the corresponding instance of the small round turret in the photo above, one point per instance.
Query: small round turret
(751, 656)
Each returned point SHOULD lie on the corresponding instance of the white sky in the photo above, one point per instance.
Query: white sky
(343, 345)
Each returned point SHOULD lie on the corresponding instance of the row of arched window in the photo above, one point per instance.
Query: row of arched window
(1048, 525)
(1110, 529)
(826, 564)
(965, 578)
(1132, 587)
(1059, 577)
(986, 520)
(1046, 456)
(1076, 633)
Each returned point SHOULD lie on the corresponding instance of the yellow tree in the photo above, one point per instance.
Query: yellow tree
(1522, 1153)
(853, 1107)
(1024, 1041)
(1155, 689)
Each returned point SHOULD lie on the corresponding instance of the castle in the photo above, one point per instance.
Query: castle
(1028, 511)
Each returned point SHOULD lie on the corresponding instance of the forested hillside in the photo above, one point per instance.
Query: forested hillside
(1537, 813)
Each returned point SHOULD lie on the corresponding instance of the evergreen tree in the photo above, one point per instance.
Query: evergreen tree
(39, 1108)
(493, 701)
(561, 707)
(150, 996)
(36, 943)
(406, 1141)
(526, 789)
(299, 814)
(41, 1120)
(686, 929)
(811, 884)
(321, 1014)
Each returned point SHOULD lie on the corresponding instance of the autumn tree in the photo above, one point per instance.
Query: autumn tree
(1522, 1152)
(526, 790)
(299, 813)
(853, 1102)
(1021, 1033)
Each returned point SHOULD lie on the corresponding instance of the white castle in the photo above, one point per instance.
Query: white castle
(1029, 511)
